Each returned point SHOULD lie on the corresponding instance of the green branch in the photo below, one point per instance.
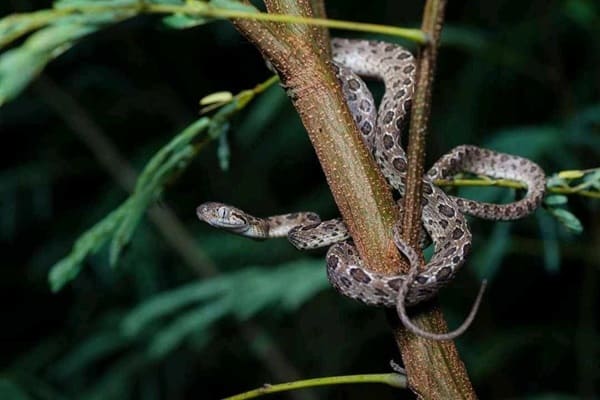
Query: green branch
(56, 30)
(391, 379)
(195, 8)
(118, 227)
(14, 26)
(584, 183)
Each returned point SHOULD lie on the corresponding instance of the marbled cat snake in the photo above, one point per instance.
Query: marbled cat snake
(442, 214)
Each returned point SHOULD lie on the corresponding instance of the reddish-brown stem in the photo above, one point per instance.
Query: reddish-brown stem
(301, 56)
(435, 370)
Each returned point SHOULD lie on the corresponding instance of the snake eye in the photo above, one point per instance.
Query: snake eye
(222, 212)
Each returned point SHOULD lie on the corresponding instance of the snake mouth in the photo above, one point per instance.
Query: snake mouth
(226, 224)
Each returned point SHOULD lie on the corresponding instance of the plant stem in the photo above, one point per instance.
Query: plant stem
(391, 379)
(357, 186)
(434, 369)
(21, 24)
(301, 58)
(507, 183)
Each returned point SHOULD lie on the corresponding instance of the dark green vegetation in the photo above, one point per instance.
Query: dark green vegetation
(218, 314)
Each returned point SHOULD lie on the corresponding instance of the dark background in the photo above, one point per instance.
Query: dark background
(522, 77)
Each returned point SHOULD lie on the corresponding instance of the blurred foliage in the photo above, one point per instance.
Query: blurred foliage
(515, 77)
(118, 226)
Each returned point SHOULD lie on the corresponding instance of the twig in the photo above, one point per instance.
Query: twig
(579, 190)
(391, 379)
(22, 24)
(434, 369)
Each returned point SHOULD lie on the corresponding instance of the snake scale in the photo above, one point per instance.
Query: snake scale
(442, 215)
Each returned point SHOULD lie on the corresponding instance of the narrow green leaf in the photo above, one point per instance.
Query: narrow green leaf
(309, 278)
(571, 174)
(556, 180)
(233, 5)
(165, 304)
(21, 65)
(220, 98)
(567, 219)
(181, 21)
(120, 224)
(246, 292)
(136, 207)
(556, 200)
(593, 179)
(90, 242)
(183, 326)
(223, 152)
(61, 4)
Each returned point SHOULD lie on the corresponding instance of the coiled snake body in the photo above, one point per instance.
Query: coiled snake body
(442, 215)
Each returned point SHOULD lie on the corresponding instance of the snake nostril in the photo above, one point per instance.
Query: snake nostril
(201, 211)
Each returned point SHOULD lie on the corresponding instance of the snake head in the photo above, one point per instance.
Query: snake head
(223, 216)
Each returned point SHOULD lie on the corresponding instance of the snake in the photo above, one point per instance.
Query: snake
(443, 215)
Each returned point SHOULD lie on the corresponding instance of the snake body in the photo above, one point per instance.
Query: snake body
(442, 215)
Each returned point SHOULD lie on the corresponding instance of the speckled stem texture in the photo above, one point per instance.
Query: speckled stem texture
(300, 55)
(356, 183)
(434, 369)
